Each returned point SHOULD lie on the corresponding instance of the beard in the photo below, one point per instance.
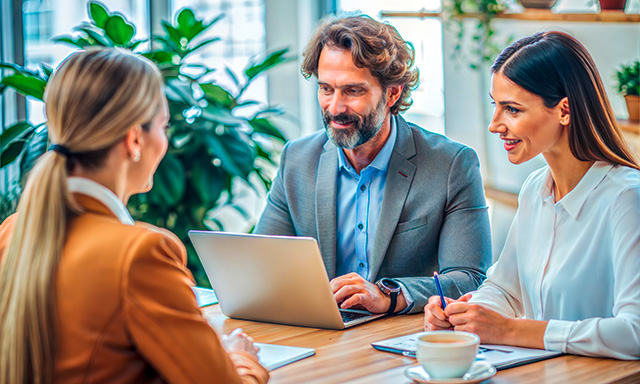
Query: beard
(364, 128)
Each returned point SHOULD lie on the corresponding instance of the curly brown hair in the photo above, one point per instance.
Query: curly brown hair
(373, 45)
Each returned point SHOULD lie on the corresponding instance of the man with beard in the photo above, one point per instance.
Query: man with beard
(388, 201)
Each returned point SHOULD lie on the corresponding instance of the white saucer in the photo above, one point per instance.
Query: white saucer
(478, 372)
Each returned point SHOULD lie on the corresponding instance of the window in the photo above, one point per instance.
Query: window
(38, 21)
(426, 36)
(242, 37)
(46, 19)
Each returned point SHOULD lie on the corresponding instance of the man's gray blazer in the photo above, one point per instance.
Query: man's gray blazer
(433, 215)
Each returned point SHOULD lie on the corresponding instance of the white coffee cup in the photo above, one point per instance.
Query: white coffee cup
(447, 354)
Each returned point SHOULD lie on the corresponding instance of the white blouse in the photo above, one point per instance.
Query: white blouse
(575, 263)
(102, 194)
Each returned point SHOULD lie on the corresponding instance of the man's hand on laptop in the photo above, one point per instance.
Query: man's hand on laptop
(354, 292)
(238, 341)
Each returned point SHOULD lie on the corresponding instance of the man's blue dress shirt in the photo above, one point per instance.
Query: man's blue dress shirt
(359, 198)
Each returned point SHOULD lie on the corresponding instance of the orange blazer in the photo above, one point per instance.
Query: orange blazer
(126, 310)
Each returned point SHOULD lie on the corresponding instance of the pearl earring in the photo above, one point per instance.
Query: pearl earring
(136, 156)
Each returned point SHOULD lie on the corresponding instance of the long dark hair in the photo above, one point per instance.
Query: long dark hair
(554, 65)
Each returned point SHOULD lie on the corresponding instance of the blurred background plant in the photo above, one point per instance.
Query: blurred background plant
(484, 48)
(628, 76)
(215, 136)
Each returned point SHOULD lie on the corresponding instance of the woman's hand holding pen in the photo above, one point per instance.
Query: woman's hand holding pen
(491, 326)
(435, 318)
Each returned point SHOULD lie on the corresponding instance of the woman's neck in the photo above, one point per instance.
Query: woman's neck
(112, 176)
(566, 171)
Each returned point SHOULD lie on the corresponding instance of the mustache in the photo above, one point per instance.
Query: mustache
(342, 118)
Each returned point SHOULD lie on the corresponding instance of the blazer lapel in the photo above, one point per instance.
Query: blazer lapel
(399, 178)
(326, 181)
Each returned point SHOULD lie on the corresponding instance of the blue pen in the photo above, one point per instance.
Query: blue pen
(435, 277)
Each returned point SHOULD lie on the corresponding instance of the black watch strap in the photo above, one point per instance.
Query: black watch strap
(394, 301)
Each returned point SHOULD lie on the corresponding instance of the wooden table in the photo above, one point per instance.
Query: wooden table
(348, 357)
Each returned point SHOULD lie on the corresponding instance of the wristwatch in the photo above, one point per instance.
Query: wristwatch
(390, 288)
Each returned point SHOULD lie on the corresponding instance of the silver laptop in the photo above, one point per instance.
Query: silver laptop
(277, 279)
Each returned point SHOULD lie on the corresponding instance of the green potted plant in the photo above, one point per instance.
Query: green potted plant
(628, 77)
(212, 142)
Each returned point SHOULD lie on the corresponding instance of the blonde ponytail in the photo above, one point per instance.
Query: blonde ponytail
(92, 101)
(27, 312)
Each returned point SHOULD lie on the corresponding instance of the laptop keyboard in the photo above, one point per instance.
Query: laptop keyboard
(350, 316)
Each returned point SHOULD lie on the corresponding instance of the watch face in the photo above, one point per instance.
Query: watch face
(389, 285)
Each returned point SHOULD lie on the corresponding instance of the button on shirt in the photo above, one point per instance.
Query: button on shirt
(359, 198)
(575, 263)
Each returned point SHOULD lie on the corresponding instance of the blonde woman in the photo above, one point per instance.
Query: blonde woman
(568, 278)
(87, 294)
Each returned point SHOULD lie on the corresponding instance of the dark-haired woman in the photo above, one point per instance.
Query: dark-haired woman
(568, 278)
(86, 294)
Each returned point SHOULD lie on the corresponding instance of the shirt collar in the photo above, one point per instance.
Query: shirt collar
(575, 200)
(381, 162)
(103, 195)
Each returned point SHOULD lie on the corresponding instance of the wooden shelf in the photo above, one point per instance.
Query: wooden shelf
(536, 14)
(629, 126)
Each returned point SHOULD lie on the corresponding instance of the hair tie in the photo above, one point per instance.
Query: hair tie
(61, 149)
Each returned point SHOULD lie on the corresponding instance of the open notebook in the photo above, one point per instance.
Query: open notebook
(500, 356)
(273, 356)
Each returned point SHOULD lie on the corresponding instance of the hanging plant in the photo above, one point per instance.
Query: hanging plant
(484, 48)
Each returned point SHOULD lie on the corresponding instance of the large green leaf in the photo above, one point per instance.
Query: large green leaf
(98, 14)
(16, 131)
(207, 181)
(119, 30)
(189, 26)
(79, 42)
(221, 115)
(174, 35)
(12, 152)
(264, 154)
(36, 147)
(218, 95)
(241, 149)
(20, 69)
(262, 125)
(95, 38)
(180, 91)
(169, 181)
(27, 85)
(186, 20)
(226, 160)
(159, 57)
(269, 62)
